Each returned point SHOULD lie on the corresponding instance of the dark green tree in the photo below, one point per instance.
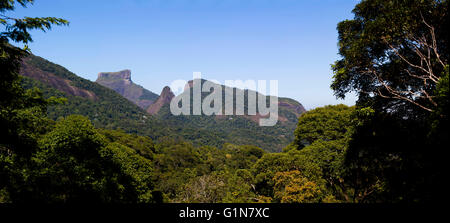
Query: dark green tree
(325, 123)
(322, 136)
(16, 30)
(395, 57)
(22, 113)
(76, 164)
(393, 53)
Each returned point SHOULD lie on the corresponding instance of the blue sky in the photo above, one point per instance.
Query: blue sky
(160, 41)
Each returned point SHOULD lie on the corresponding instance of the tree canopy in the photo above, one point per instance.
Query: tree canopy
(389, 147)
(395, 57)
(393, 52)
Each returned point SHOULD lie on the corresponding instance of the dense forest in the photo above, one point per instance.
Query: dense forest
(108, 109)
(389, 147)
(104, 107)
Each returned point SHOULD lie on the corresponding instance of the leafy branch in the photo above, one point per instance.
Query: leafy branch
(17, 29)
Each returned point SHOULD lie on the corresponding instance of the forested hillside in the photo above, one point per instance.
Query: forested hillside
(107, 109)
(238, 129)
(104, 107)
(64, 139)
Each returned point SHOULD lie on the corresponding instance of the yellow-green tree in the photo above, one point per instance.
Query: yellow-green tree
(293, 187)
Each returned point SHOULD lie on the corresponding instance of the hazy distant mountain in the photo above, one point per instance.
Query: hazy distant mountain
(121, 83)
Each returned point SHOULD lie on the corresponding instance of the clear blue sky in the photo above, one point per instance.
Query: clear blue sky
(293, 41)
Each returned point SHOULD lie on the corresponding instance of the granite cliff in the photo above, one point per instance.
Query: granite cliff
(121, 83)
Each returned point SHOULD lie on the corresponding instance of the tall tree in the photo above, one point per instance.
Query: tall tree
(395, 57)
(393, 51)
(22, 113)
(13, 98)
(325, 123)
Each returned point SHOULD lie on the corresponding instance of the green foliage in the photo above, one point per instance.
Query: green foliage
(206, 174)
(203, 189)
(17, 29)
(79, 149)
(75, 164)
(148, 95)
(393, 154)
(135, 173)
(22, 113)
(318, 153)
(327, 123)
(66, 162)
(270, 164)
(292, 187)
(143, 145)
(241, 157)
(237, 129)
(108, 110)
(69, 164)
(216, 131)
(329, 156)
(440, 117)
(383, 50)
(217, 187)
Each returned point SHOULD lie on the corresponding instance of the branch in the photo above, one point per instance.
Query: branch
(433, 38)
(427, 53)
(396, 94)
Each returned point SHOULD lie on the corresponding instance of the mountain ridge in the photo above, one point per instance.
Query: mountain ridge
(107, 109)
(164, 98)
(121, 83)
(239, 129)
(283, 103)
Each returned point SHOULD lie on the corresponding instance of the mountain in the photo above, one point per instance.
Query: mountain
(289, 109)
(121, 83)
(105, 107)
(164, 99)
(108, 109)
(238, 129)
(38, 69)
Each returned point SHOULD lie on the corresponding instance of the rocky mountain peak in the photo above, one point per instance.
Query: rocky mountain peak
(123, 75)
(121, 83)
(165, 98)
(167, 94)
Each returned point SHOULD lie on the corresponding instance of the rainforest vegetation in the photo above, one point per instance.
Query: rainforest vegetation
(389, 147)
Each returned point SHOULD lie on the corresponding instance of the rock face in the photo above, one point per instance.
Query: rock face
(121, 83)
(111, 109)
(57, 82)
(289, 109)
(124, 75)
(165, 98)
(292, 105)
(236, 129)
